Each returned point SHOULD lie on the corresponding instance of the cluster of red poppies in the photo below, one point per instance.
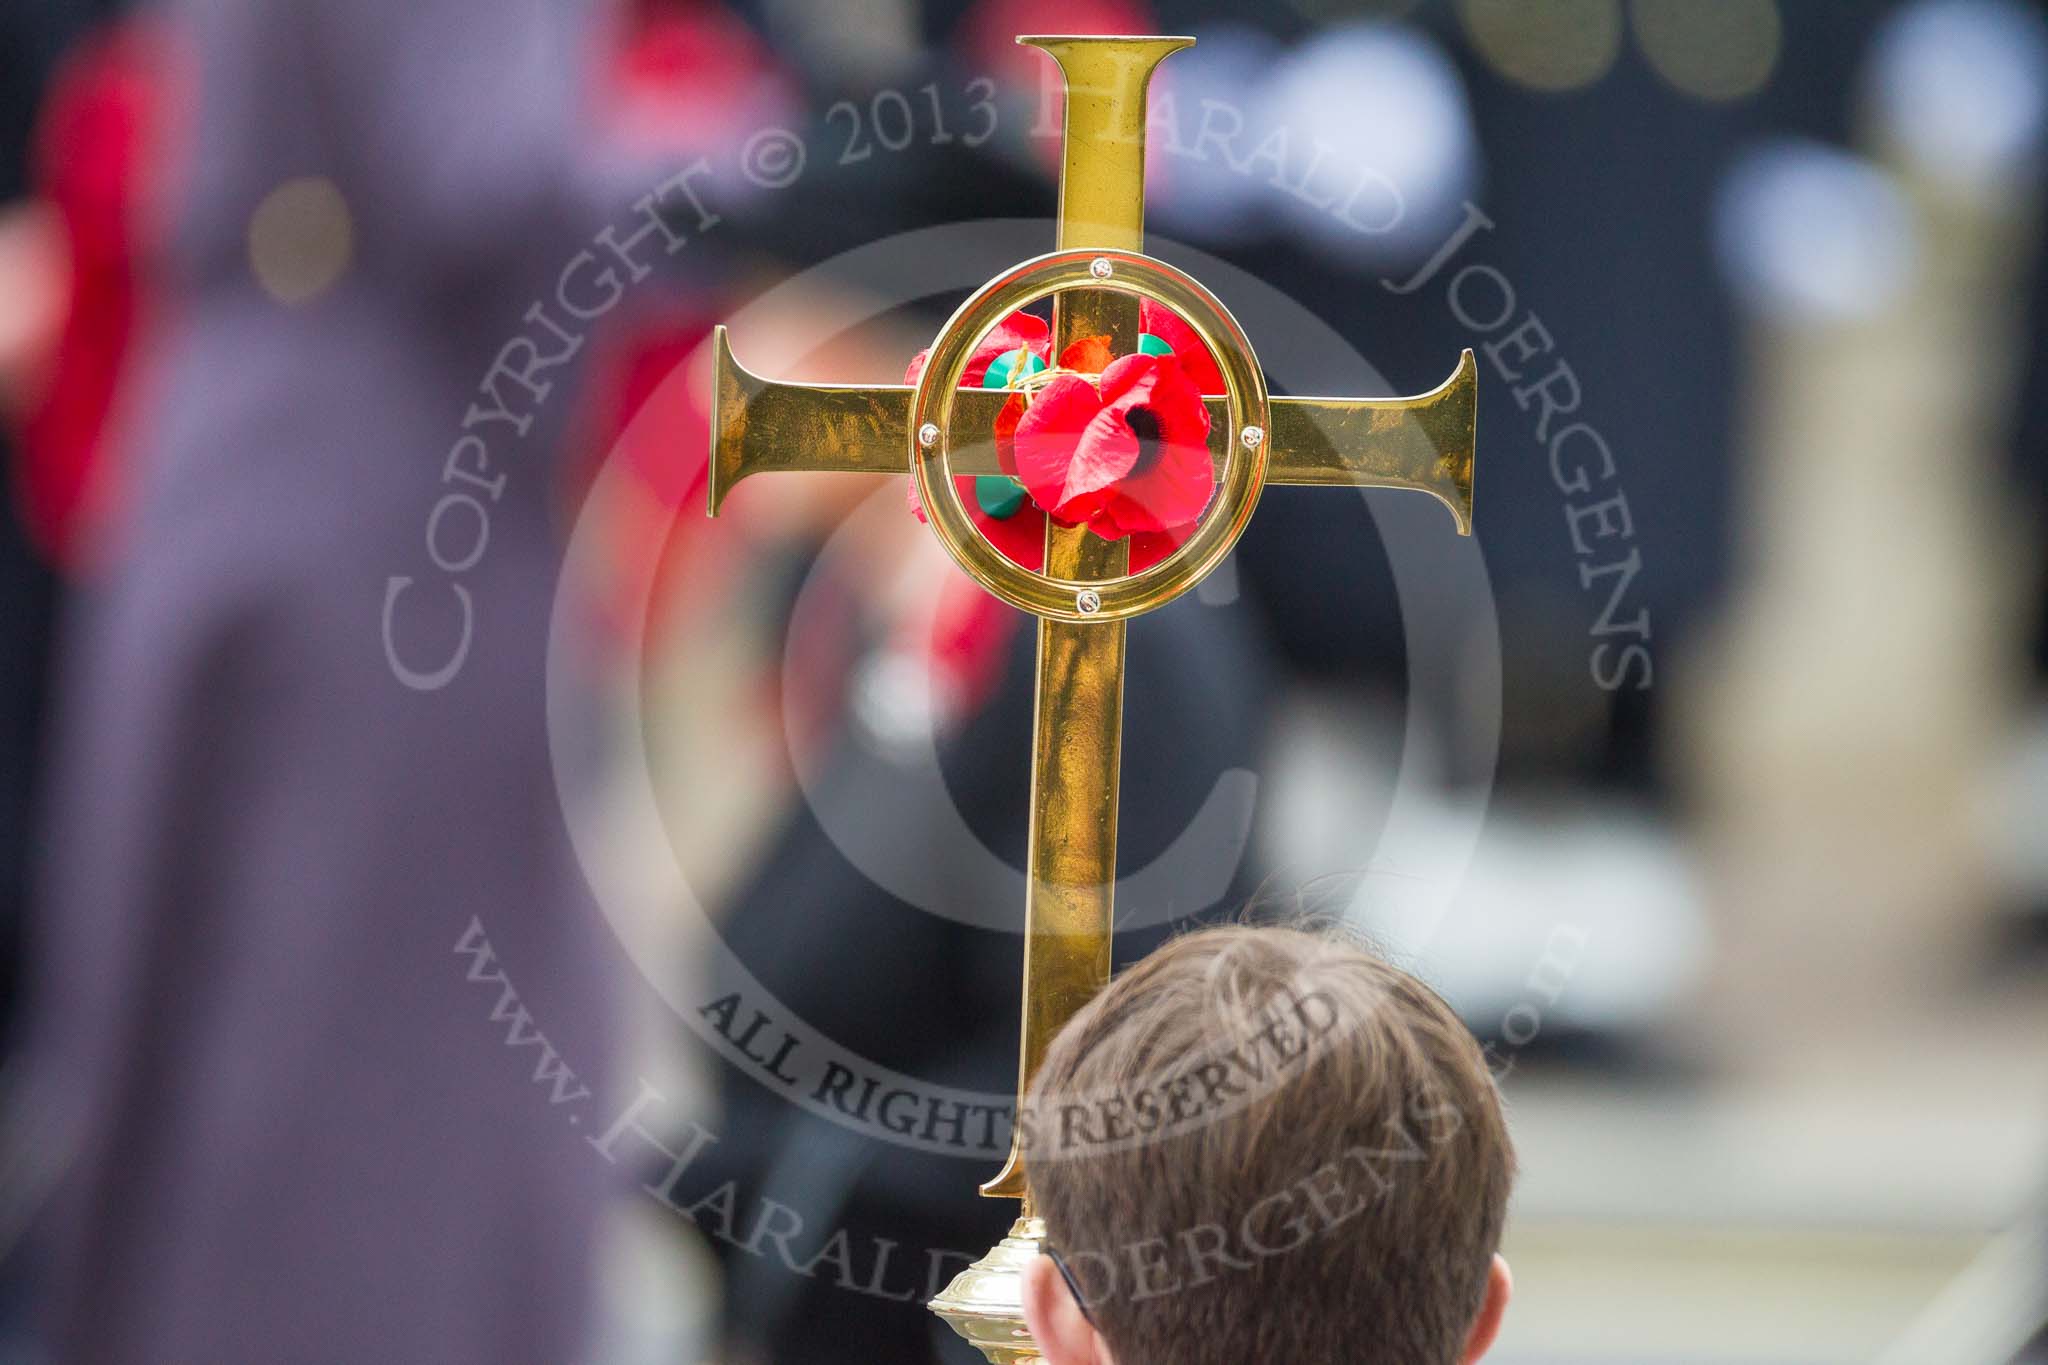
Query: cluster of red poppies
(1120, 446)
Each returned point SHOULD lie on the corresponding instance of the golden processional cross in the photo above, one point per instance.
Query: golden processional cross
(937, 430)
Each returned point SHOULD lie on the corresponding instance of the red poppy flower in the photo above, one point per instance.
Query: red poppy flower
(1020, 536)
(1188, 349)
(1126, 454)
(1018, 329)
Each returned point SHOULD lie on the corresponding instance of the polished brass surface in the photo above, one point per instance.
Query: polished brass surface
(1423, 443)
(1078, 740)
(1102, 157)
(985, 1302)
(1075, 762)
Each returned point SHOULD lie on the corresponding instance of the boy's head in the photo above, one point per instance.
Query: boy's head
(1264, 1144)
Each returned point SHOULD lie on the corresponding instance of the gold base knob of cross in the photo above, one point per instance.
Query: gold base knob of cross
(985, 1302)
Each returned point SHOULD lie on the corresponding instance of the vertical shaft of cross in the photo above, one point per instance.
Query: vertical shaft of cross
(1078, 729)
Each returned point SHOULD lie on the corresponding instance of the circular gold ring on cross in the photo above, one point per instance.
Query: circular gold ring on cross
(1244, 456)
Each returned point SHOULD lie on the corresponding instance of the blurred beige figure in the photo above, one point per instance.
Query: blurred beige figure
(1841, 725)
(1849, 710)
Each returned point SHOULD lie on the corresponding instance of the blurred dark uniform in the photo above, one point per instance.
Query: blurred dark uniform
(936, 999)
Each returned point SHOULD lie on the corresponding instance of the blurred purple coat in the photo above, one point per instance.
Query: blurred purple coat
(296, 1131)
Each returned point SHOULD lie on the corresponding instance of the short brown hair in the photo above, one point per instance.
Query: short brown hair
(1267, 1144)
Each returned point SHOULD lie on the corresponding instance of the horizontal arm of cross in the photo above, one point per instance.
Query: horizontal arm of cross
(1423, 442)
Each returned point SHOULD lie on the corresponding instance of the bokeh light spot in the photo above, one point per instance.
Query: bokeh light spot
(1545, 44)
(1960, 87)
(1719, 51)
(1807, 233)
(300, 239)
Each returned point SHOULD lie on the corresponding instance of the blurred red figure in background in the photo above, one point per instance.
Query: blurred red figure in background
(97, 147)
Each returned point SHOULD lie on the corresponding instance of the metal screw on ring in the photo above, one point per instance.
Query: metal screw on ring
(928, 435)
(1087, 601)
(1251, 436)
(1100, 268)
